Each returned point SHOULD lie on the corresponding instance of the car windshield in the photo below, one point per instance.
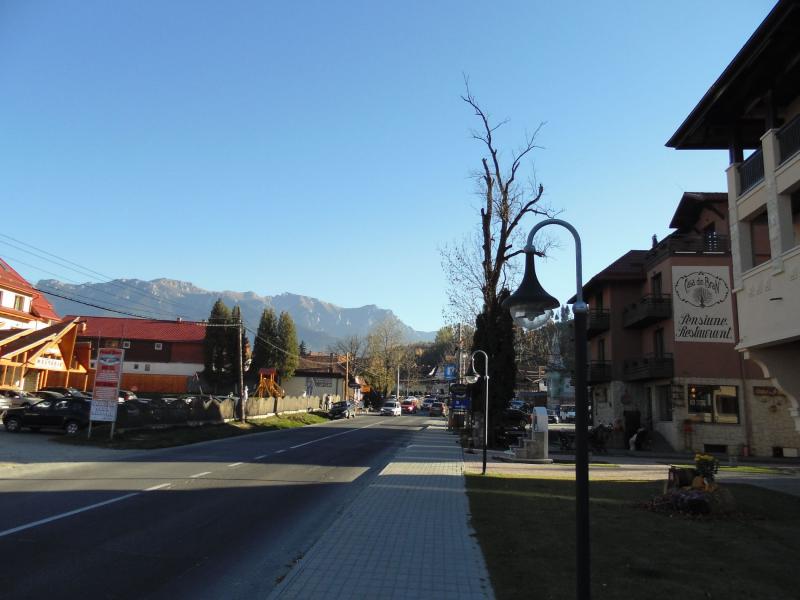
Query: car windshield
(389, 405)
(339, 404)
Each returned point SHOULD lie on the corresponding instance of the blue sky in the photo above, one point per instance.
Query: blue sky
(321, 148)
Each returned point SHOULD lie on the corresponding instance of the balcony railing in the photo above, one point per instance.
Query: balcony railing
(650, 309)
(714, 243)
(599, 371)
(789, 139)
(649, 366)
(599, 321)
(751, 171)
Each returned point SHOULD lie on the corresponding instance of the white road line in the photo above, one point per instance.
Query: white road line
(196, 475)
(279, 451)
(260, 456)
(235, 464)
(158, 487)
(66, 514)
(327, 437)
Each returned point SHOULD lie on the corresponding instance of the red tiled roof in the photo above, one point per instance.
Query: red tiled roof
(143, 329)
(11, 278)
(42, 308)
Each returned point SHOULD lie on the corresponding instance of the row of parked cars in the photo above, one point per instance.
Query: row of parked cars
(52, 407)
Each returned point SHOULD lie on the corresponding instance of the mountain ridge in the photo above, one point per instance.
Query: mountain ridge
(319, 323)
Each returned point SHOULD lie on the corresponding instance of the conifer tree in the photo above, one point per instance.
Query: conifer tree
(265, 354)
(215, 349)
(287, 340)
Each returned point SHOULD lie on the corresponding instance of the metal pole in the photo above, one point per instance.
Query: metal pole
(241, 371)
(583, 558)
(583, 577)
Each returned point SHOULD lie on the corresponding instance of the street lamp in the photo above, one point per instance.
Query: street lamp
(526, 305)
(473, 379)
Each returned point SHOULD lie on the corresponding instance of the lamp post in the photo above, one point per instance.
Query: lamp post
(527, 305)
(486, 399)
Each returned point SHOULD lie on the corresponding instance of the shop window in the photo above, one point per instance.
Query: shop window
(759, 239)
(714, 404)
(664, 402)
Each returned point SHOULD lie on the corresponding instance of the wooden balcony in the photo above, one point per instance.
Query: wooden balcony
(648, 310)
(751, 172)
(599, 321)
(649, 366)
(682, 245)
(599, 371)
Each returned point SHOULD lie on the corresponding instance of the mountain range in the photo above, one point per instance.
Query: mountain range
(319, 324)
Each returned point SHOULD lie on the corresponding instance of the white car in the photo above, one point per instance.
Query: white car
(391, 409)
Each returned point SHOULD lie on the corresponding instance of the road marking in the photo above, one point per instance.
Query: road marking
(196, 475)
(235, 464)
(260, 456)
(66, 514)
(279, 451)
(158, 487)
(327, 437)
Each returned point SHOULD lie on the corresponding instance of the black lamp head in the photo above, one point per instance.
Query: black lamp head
(530, 300)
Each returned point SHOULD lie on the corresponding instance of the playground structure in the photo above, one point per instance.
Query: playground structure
(267, 386)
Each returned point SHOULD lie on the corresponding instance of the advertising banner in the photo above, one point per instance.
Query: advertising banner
(108, 373)
(702, 305)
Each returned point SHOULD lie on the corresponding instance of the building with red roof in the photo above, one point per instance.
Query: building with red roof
(160, 355)
(21, 306)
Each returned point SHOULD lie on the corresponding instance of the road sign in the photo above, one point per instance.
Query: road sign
(108, 372)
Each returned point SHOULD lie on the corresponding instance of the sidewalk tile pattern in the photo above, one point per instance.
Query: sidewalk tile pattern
(406, 536)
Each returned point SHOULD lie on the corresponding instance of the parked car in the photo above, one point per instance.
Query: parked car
(391, 409)
(69, 392)
(426, 402)
(409, 406)
(512, 425)
(68, 414)
(127, 395)
(342, 410)
(552, 417)
(12, 397)
(568, 414)
(438, 409)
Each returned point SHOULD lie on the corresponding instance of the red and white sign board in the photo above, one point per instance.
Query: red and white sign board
(106, 384)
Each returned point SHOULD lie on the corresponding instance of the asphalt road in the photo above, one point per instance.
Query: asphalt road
(223, 519)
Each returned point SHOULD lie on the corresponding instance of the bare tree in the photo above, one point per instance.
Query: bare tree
(478, 267)
(385, 352)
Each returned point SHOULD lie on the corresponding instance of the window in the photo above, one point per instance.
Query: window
(759, 239)
(147, 367)
(19, 303)
(655, 284)
(158, 346)
(658, 343)
(601, 350)
(664, 402)
(135, 366)
(126, 344)
(714, 404)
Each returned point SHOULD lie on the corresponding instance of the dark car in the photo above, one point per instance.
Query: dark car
(438, 409)
(512, 426)
(68, 414)
(342, 410)
(69, 392)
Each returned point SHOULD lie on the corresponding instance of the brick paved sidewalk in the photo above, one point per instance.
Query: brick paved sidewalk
(405, 536)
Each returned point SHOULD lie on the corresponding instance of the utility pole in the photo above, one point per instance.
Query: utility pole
(346, 375)
(460, 361)
(240, 332)
(398, 383)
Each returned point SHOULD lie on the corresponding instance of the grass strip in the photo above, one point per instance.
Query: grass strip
(149, 439)
(526, 529)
